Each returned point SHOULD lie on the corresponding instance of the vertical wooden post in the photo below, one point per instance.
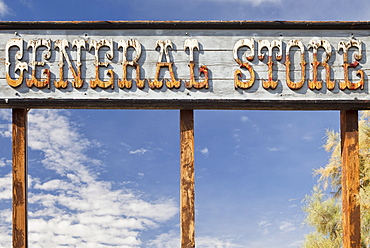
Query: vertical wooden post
(350, 179)
(187, 212)
(19, 136)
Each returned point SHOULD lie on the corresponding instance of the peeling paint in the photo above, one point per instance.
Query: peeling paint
(345, 46)
(250, 56)
(290, 83)
(97, 82)
(193, 44)
(164, 46)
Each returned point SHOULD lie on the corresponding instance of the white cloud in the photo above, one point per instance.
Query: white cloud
(6, 187)
(275, 149)
(4, 9)
(212, 242)
(253, 2)
(166, 240)
(287, 226)
(256, 127)
(5, 130)
(140, 151)
(4, 162)
(78, 209)
(307, 138)
(5, 227)
(6, 114)
(244, 119)
(264, 223)
(172, 240)
(205, 151)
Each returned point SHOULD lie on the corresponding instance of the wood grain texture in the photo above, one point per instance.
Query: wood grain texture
(19, 136)
(187, 209)
(350, 179)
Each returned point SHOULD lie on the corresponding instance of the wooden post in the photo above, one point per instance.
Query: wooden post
(187, 212)
(350, 179)
(19, 136)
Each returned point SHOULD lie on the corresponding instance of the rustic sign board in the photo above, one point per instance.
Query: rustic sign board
(186, 66)
(179, 65)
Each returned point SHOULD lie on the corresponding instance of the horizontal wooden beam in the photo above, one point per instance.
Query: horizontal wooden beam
(306, 25)
(186, 104)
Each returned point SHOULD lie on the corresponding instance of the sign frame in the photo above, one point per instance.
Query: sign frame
(284, 103)
(349, 119)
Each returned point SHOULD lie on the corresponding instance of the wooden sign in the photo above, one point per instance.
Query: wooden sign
(212, 65)
(187, 65)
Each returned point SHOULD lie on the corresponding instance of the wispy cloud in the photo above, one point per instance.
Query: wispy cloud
(4, 9)
(205, 151)
(5, 128)
(5, 187)
(4, 162)
(5, 114)
(287, 226)
(264, 223)
(77, 209)
(140, 151)
(172, 240)
(253, 2)
(275, 149)
(244, 118)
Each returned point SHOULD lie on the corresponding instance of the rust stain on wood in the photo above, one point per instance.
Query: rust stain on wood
(350, 179)
(18, 237)
(18, 196)
(187, 209)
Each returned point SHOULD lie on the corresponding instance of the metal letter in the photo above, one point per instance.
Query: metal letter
(34, 81)
(21, 66)
(237, 82)
(192, 45)
(78, 82)
(137, 46)
(62, 45)
(157, 84)
(270, 83)
(97, 82)
(345, 46)
(291, 84)
(314, 83)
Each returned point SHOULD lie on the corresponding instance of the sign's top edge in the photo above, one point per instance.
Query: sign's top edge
(344, 25)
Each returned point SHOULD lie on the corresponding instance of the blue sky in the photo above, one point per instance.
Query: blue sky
(110, 178)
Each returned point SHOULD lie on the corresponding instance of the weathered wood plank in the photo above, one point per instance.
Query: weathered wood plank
(304, 25)
(215, 51)
(230, 104)
(19, 178)
(350, 179)
(187, 209)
